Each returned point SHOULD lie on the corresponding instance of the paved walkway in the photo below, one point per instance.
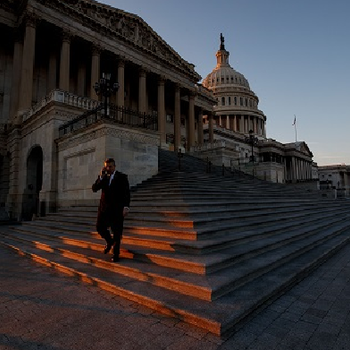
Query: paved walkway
(47, 310)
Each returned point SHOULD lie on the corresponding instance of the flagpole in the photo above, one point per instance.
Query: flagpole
(295, 128)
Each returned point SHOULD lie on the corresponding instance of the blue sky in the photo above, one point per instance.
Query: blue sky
(295, 55)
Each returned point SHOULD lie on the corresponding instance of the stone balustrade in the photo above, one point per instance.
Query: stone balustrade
(64, 97)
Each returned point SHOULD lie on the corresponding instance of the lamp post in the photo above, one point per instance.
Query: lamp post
(252, 140)
(179, 156)
(105, 88)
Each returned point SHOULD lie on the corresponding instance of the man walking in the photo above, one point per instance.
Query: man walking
(114, 205)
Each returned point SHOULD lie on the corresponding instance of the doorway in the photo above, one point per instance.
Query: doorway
(34, 183)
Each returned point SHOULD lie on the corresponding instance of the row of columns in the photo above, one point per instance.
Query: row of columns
(246, 123)
(23, 67)
(300, 169)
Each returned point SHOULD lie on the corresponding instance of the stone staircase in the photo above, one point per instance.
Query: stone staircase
(211, 249)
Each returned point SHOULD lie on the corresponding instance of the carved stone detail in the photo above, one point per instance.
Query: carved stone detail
(30, 19)
(67, 36)
(117, 23)
(76, 140)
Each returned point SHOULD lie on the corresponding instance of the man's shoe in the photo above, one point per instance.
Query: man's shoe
(115, 259)
(108, 247)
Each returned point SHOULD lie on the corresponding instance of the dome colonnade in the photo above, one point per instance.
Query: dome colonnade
(238, 122)
(236, 106)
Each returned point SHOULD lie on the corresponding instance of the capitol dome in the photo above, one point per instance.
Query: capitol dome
(237, 105)
(223, 74)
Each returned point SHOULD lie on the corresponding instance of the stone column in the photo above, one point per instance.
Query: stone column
(234, 123)
(191, 125)
(16, 76)
(177, 119)
(200, 128)
(121, 82)
(142, 91)
(263, 128)
(241, 122)
(220, 121)
(51, 81)
(95, 70)
(161, 110)
(245, 124)
(26, 87)
(211, 128)
(228, 122)
(81, 79)
(65, 62)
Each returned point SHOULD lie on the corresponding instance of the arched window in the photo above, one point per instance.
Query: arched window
(223, 101)
(229, 100)
(235, 101)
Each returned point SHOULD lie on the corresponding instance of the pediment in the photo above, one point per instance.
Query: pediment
(124, 26)
(301, 146)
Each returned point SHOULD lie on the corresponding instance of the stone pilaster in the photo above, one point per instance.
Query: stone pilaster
(13, 202)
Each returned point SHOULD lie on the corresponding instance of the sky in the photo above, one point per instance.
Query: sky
(294, 53)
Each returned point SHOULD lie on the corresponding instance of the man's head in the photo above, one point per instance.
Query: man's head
(110, 165)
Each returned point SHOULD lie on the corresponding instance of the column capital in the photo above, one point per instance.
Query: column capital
(30, 19)
(143, 71)
(177, 86)
(121, 61)
(96, 49)
(66, 35)
(192, 93)
(18, 35)
(161, 79)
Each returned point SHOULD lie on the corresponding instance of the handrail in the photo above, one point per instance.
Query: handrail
(116, 114)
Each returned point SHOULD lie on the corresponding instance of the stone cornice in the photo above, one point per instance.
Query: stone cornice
(130, 28)
(104, 129)
(9, 5)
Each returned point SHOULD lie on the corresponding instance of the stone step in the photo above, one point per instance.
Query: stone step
(219, 253)
(218, 316)
(213, 227)
(241, 211)
(202, 286)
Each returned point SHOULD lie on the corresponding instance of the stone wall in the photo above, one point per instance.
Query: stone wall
(81, 156)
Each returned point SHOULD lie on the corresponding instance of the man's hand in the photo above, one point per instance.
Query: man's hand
(126, 211)
(103, 171)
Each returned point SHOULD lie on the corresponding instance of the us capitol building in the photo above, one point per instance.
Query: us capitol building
(81, 81)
